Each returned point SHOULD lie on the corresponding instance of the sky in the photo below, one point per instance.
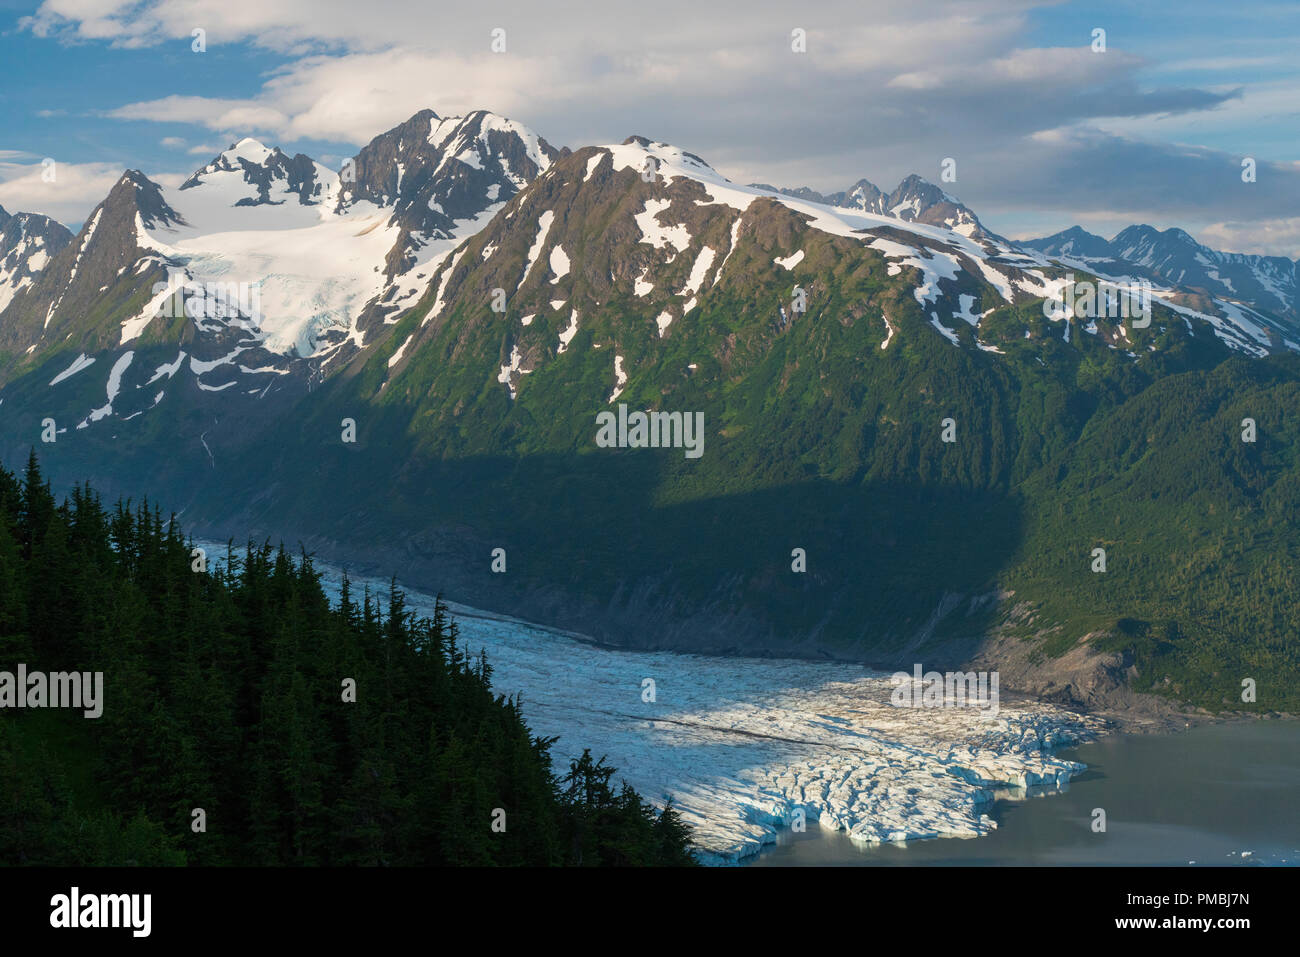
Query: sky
(1046, 130)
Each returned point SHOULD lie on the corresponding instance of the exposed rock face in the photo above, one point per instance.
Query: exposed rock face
(436, 173)
(266, 170)
(94, 281)
(29, 242)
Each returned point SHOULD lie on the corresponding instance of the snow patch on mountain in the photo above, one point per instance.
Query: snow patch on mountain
(440, 300)
(168, 369)
(511, 369)
(567, 334)
(889, 332)
(559, 263)
(698, 271)
(544, 222)
(81, 362)
(112, 388)
(735, 237)
(620, 379)
(396, 357)
(944, 331)
(657, 234)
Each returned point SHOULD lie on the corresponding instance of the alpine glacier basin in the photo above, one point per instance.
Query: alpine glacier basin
(741, 745)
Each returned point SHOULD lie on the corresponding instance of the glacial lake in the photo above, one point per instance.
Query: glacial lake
(1205, 795)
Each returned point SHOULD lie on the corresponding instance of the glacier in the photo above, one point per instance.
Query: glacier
(742, 745)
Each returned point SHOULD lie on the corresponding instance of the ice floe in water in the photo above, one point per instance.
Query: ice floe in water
(741, 744)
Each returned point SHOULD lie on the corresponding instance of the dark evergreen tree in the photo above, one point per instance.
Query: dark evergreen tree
(224, 692)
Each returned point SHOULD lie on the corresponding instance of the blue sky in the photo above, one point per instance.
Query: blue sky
(1046, 132)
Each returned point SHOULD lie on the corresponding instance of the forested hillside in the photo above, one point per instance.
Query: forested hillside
(226, 690)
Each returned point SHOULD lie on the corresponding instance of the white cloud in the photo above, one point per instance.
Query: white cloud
(210, 112)
(881, 92)
(1266, 237)
(77, 188)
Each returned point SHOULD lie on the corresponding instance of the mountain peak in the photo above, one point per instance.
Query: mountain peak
(253, 150)
(1075, 242)
(1137, 229)
(137, 192)
(916, 185)
(916, 199)
(250, 173)
(665, 154)
(239, 156)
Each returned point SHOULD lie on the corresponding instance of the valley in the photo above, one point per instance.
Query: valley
(893, 389)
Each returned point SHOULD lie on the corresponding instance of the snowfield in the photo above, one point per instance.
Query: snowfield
(741, 744)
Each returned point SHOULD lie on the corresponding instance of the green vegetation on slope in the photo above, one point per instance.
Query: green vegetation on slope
(821, 440)
(1199, 529)
(817, 437)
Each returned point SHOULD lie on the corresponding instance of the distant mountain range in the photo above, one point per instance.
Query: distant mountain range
(1270, 284)
(913, 201)
(469, 297)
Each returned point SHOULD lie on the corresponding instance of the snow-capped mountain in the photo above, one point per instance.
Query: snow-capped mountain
(464, 302)
(265, 273)
(666, 245)
(28, 243)
(819, 348)
(1075, 242)
(439, 174)
(671, 248)
(261, 221)
(363, 237)
(1267, 283)
(96, 282)
(320, 255)
(274, 177)
(914, 200)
